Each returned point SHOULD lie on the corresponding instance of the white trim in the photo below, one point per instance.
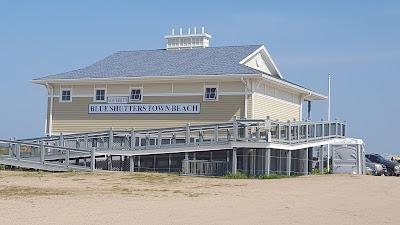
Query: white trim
(49, 128)
(309, 95)
(60, 96)
(252, 99)
(151, 79)
(95, 94)
(246, 93)
(262, 47)
(301, 107)
(210, 86)
(141, 94)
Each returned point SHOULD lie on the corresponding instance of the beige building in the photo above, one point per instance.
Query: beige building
(188, 82)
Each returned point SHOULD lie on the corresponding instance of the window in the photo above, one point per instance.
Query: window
(211, 93)
(100, 95)
(65, 95)
(136, 94)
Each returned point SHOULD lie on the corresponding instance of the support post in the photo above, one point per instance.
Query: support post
(268, 135)
(267, 161)
(132, 163)
(307, 129)
(93, 159)
(187, 134)
(359, 163)
(235, 129)
(321, 159)
(86, 140)
(139, 163)
(66, 157)
(234, 160)
(333, 159)
(310, 159)
(147, 141)
(258, 134)
(279, 132)
(169, 162)
(61, 140)
(298, 133)
(109, 162)
(133, 139)
(111, 139)
(200, 136)
(121, 163)
(173, 139)
(10, 150)
(328, 149)
(159, 139)
(246, 132)
(252, 162)
(305, 158)
(42, 151)
(289, 162)
(18, 151)
(216, 133)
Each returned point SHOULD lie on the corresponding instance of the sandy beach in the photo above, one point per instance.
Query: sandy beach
(123, 198)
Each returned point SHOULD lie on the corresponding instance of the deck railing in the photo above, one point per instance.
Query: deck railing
(237, 130)
(59, 150)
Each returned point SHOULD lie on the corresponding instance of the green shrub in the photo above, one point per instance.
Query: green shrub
(262, 177)
(318, 171)
(236, 176)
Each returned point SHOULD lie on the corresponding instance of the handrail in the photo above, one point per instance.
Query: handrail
(46, 146)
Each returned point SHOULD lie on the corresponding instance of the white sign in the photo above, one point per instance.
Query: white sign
(117, 99)
(162, 108)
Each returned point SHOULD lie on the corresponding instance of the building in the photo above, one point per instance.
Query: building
(187, 82)
(188, 108)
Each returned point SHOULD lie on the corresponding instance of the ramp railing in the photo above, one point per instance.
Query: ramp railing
(42, 155)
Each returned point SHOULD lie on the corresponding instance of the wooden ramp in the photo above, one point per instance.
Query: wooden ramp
(29, 164)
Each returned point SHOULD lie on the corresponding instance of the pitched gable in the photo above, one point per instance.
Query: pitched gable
(261, 60)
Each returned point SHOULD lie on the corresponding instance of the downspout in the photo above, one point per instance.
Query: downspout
(308, 108)
(50, 119)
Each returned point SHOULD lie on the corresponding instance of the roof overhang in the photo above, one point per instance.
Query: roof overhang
(143, 79)
(306, 93)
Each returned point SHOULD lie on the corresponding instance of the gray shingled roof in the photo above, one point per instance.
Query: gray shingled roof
(202, 61)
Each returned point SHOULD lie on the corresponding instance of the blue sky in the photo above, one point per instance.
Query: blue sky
(357, 41)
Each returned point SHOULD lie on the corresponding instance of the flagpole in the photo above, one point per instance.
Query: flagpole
(329, 97)
(329, 118)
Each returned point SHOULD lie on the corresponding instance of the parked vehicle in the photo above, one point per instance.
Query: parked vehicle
(396, 159)
(393, 168)
(375, 169)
